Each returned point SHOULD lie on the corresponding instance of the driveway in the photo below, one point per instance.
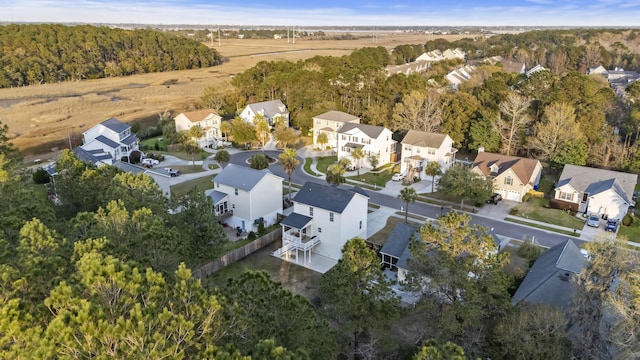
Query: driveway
(499, 211)
(589, 233)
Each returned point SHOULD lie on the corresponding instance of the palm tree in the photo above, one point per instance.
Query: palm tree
(335, 174)
(289, 161)
(433, 169)
(408, 195)
(358, 154)
(222, 157)
(225, 129)
(322, 140)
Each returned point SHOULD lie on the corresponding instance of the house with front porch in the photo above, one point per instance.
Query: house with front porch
(513, 176)
(373, 140)
(244, 196)
(271, 110)
(324, 218)
(420, 148)
(111, 137)
(206, 119)
(329, 123)
(606, 193)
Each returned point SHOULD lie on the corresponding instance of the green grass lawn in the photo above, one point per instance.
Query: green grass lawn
(535, 209)
(379, 179)
(631, 233)
(307, 167)
(324, 162)
(150, 144)
(202, 183)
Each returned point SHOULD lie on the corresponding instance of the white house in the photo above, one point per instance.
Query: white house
(434, 55)
(206, 119)
(112, 137)
(249, 195)
(419, 148)
(512, 176)
(324, 218)
(329, 123)
(373, 140)
(461, 75)
(450, 54)
(271, 110)
(596, 191)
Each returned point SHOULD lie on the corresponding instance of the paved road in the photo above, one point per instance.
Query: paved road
(501, 227)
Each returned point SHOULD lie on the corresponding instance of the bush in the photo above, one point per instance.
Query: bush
(261, 229)
(526, 197)
(529, 252)
(41, 176)
(252, 235)
(628, 220)
(259, 162)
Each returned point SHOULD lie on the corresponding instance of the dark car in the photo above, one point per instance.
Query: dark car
(612, 225)
(494, 199)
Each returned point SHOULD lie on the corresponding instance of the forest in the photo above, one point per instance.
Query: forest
(48, 53)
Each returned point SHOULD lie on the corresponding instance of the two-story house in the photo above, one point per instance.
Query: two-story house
(271, 110)
(595, 191)
(373, 140)
(112, 137)
(250, 195)
(512, 176)
(206, 119)
(420, 148)
(329, 123)
(324, 218)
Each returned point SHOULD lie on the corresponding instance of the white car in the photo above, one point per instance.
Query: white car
(149, 162)
(397, 177)
(594, 221)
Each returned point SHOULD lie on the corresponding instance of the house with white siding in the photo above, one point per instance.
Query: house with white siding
(110, 140)
(271, 110)
(420, 148)
(206, 119)
(373, 140)
(329, 123)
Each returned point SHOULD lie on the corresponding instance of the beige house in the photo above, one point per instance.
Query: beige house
(329, 123)
(420, 148)
(208, 121)
(512, 176)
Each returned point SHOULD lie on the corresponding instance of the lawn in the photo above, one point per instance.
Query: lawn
(202, 183)
(631, 233)
(157, 143)
(307, 167)
(379, 179)
(324, 162)
(537, 209)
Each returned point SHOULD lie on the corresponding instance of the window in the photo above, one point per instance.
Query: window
(310, 211)
(355, 139)
(318, 122)
(217, 185)
(408, 148)
(566, 196)
(417, 150)
(360, 224)
(508, 180)
(319, 230)
(431, 151)
(331, 216)
(236, 191)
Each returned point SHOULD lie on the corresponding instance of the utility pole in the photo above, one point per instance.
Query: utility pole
(211, 35)
(288, 40)
(219, 45)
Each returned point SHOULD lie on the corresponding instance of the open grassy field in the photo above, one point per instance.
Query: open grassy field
(41, 117)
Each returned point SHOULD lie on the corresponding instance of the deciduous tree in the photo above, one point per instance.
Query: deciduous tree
(460, 182)
(556, 129)
(222, 157)
(511, 120)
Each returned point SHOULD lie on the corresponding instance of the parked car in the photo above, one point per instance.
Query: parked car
(594, 220)
(397, 177)
(494, 199)
(149, 162)
(611, 225)
(173, 172)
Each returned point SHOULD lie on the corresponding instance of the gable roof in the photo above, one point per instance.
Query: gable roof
(522, 167)
(398, 240)
(199, 115)
(241, 177)
(297, 221)
(215, 195)
(86, 156)
(115, 125)
(594, 181)
(270, 108)
(370, 130)
(325, 197)
(424, 139)
(548, 280)
(335, 115)
(106, 141)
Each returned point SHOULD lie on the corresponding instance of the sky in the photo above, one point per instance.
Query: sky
(329, 12)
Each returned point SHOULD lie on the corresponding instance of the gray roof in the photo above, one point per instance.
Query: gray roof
(86, 156)
(353, 145)
(105, 140)
(372, 131)
(548, 280)
(325, 197)
(215, 195)
(271, 108)
(424, 139)
(593, 181)
(115, 125)
(398, 240)
(335, 115)
(130, 168)
(241, 177)
(296, 221)
(129, 139)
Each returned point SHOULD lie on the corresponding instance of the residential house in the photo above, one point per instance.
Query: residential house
(450, 54)
(618, 78)
(434, 55)
(419, 148)
(245, 196)
(461, 75)
(414, 67)
(161, 178)
(324, 218)
(112, 137)
(595, 191)
(206, 119)
(535, 69)
(329, 123)
(373, 140)
(512, 176)
(271, 110)
(508, 66)
(548, 280)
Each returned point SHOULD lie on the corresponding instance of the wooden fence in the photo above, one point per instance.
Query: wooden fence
(237, 254)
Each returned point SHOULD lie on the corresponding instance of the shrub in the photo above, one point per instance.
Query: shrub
(526, 197)
(259, 162)
(529, 252)
(628, 220)
(156, 146)
(261, 229)
(41, 176)
(252, 235)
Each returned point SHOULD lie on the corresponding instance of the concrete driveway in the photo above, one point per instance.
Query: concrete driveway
(589, 232)
(499, 211)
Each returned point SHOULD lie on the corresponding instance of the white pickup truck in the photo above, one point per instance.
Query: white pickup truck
(173, 172)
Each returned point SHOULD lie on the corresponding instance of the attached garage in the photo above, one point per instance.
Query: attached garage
(513, 195)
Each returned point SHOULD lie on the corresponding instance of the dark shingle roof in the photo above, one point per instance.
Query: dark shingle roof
(241, 177)
(398, 240)
(215, 195)
(325, 197)
(105, 140)
(335, 115)
(548, 280)
(296, 221)
(131, 139)
(115, 125)
(85, 156)
(371, 131)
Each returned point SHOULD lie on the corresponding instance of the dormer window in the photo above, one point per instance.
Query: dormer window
(494, 168)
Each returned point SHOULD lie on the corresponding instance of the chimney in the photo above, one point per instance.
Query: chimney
(481, 149)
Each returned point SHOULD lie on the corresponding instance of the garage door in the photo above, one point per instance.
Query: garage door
(513, 195)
